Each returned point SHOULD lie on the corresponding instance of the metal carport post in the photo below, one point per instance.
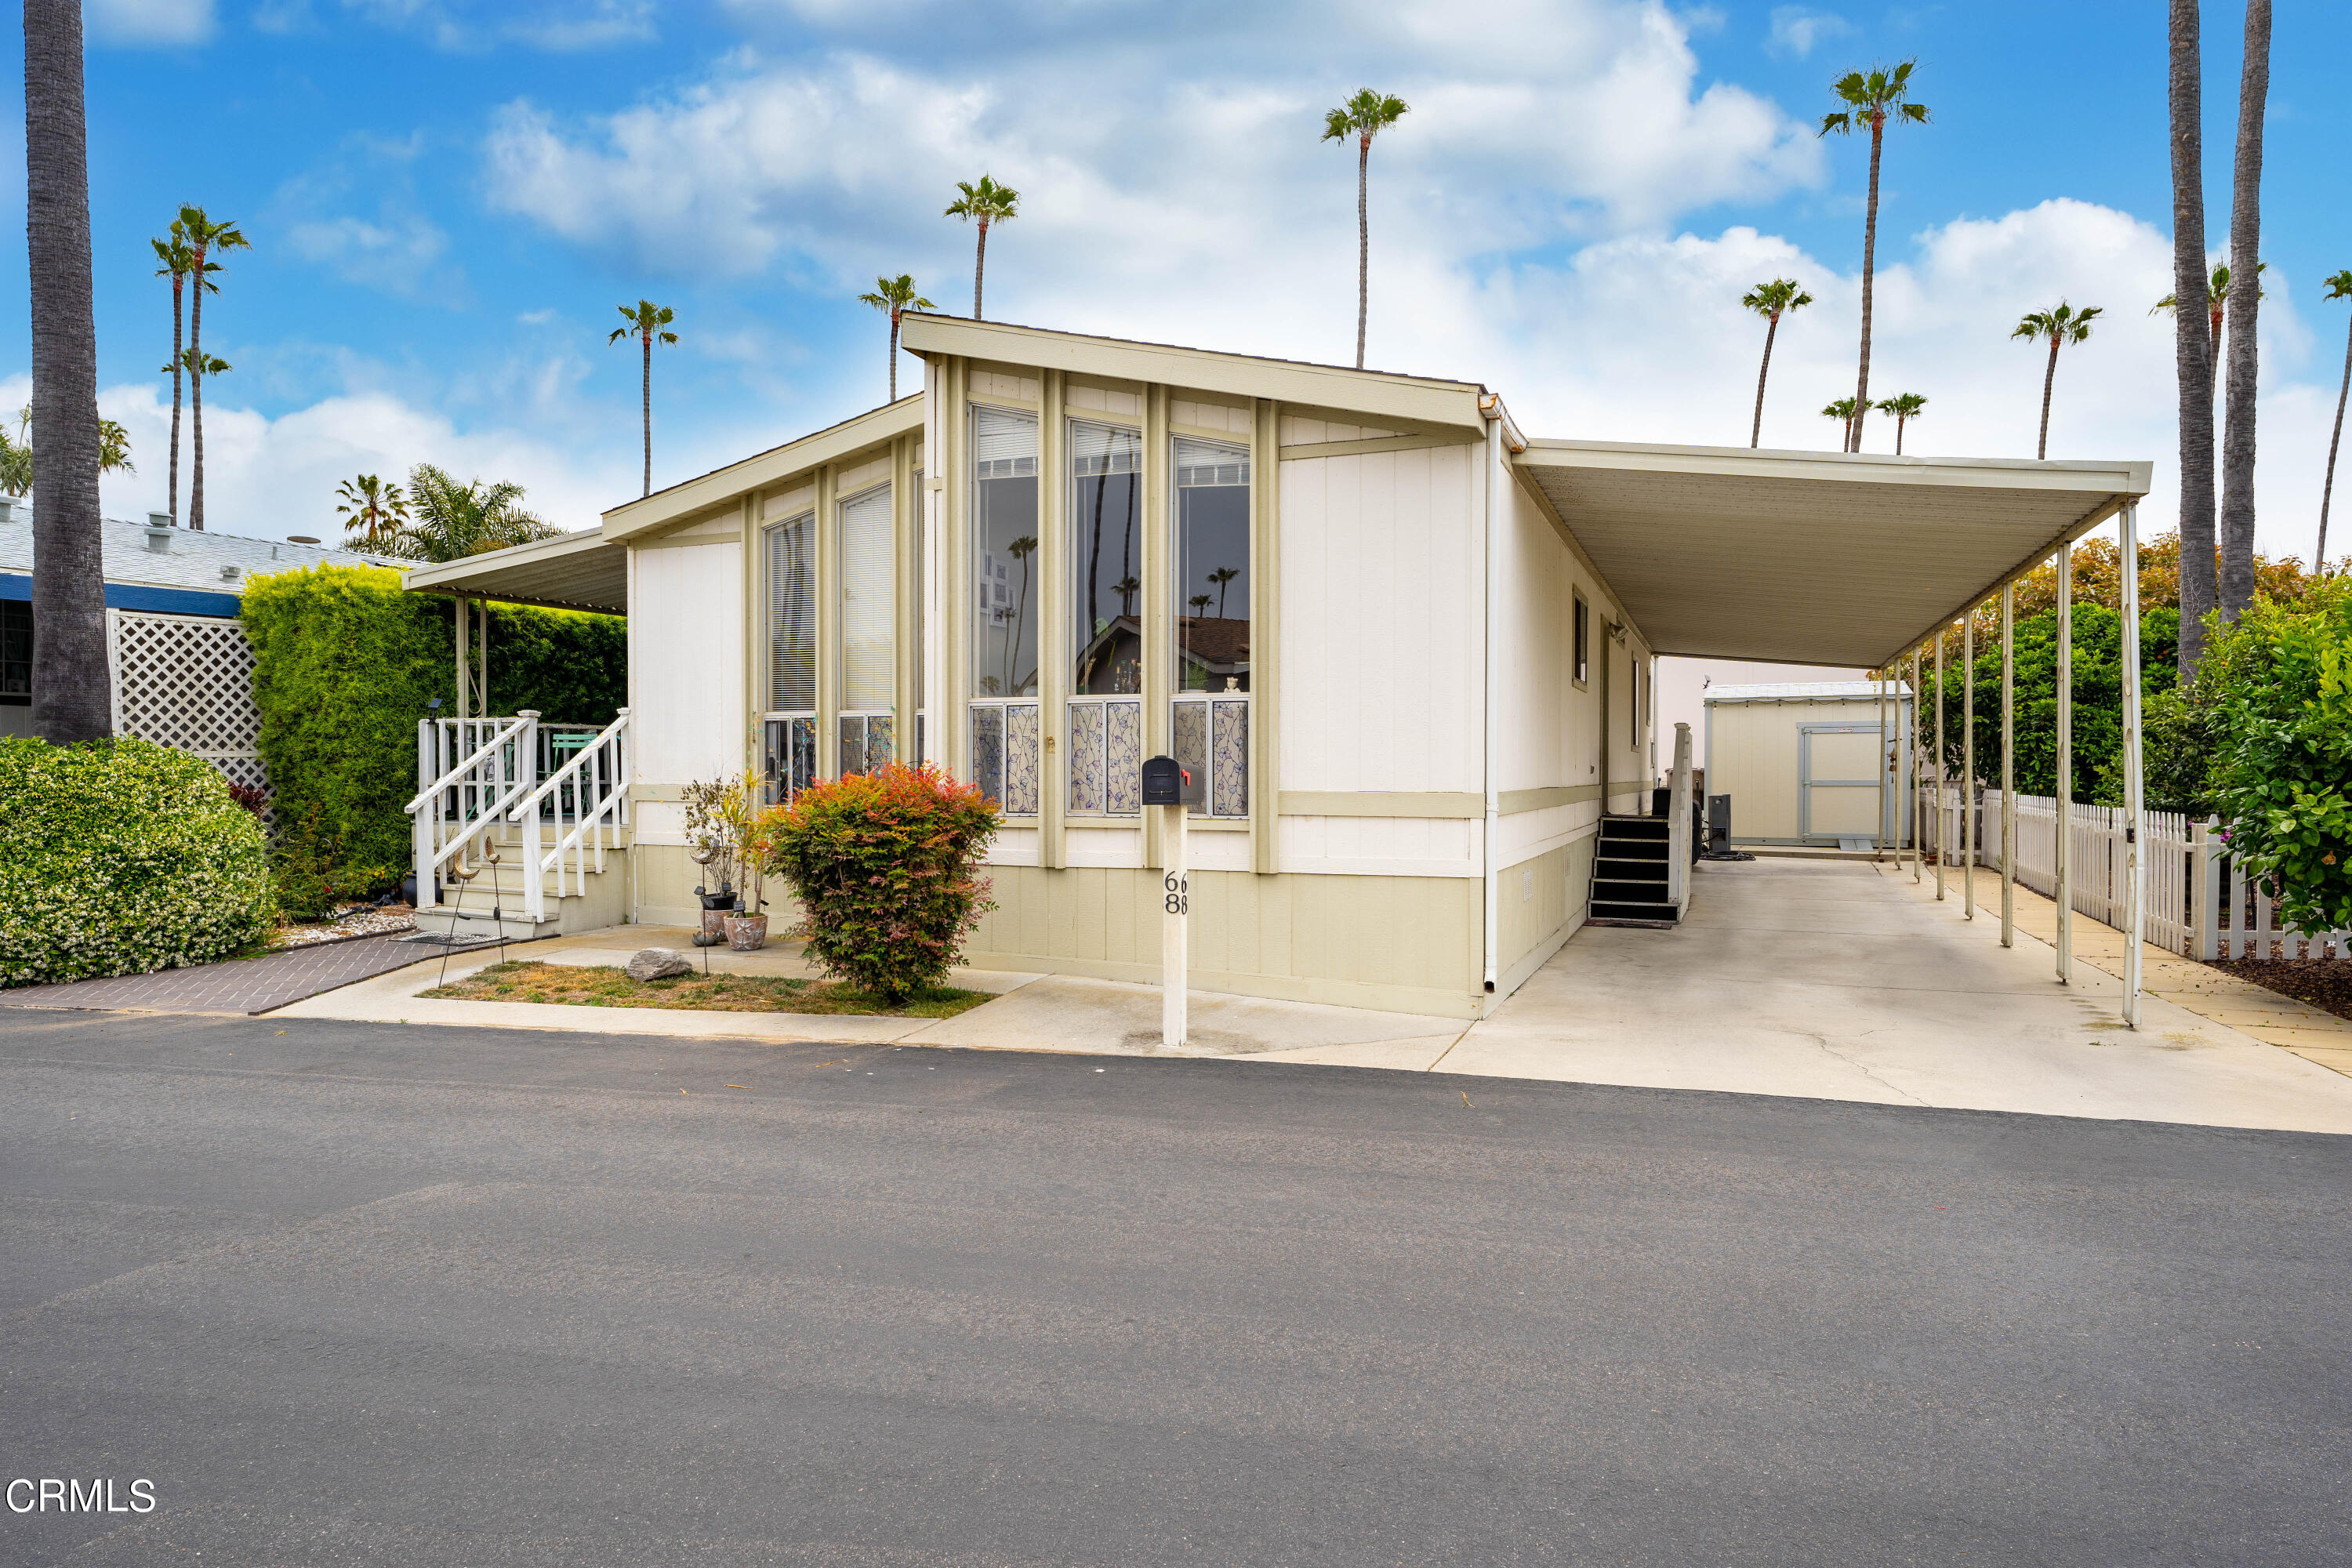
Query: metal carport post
(2135, 805)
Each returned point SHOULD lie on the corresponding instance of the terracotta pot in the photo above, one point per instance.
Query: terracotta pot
(747, 933)
(714, 925)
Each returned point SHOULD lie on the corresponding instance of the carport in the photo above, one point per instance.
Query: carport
(1856, 559)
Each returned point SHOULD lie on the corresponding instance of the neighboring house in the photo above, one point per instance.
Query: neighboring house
(1816, 762)
(183, 674)
(1410, 648)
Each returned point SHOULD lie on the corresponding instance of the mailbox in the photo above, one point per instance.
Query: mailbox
(1167, 783)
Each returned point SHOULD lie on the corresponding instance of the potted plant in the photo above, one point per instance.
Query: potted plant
(747, 925)
(711, 845)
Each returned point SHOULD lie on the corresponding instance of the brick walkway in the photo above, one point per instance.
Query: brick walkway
(252, 985)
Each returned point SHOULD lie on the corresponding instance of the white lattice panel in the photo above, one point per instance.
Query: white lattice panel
(186, 682)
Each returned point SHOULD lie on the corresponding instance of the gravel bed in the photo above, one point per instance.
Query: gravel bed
(353, 924)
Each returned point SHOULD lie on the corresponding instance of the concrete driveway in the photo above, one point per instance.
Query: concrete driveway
(1838, 980)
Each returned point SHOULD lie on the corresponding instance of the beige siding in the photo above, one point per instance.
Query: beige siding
(1409, 944)
(1752, 756)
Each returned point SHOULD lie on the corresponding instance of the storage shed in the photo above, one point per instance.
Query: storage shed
(1817, 764)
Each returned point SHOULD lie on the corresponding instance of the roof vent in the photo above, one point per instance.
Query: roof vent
(231, 574)
(306, 539)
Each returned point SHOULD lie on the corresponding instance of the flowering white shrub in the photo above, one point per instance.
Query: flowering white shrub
(122, 857)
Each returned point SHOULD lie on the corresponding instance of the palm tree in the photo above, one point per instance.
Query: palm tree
(72, 697)
(984, 203)
(374, 511)
(204, 237)
(2062, 324)
(2237, 519)
(450, 521)
(2339, 286)
(1770, 301)
(1906, 407)
(2192, 336)
(645, 322)
(1363, 117)
(1871, 99)
(898, 296)
(1221, 576)
(178, 263)
(1843, 412)
(2217, 309)
(16, 453)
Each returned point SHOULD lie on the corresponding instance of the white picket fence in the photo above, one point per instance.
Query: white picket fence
(2198, 903)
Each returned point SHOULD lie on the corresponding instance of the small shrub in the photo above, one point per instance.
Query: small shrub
(121, 856)
(882, 864)
(315, 876)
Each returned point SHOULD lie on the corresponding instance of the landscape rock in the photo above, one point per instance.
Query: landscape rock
(659, 963)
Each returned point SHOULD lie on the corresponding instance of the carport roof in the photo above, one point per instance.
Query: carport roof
(582, 570)
(1826, 558)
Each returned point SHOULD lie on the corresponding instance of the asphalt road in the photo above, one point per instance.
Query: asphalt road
(361, 1294)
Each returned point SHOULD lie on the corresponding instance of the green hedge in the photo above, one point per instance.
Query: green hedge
(345, 663)
(122, 857)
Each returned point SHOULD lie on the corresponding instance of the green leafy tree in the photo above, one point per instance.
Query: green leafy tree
(16, 453)
(645, 322)
(1906, 407)
(204, 237)
(896, 297)
(374, 512)
(2339, 286)
(72, 697)
(449, 520)
(983, 203)
(2061, 325)
(1361, 119)
(2280, 679)
(1770, 301)
(1872, 99)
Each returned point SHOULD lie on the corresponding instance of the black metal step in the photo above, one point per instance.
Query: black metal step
(1656, 849)
(1630, 828)
(1628, 910)
(1651, 873)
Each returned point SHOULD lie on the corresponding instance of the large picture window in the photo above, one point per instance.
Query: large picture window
(1005, 552)
(1211, 587)
(1105, 709)
(1005, 720)
(867, 734)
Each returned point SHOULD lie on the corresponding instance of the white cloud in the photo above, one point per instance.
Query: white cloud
(268, 476)
(472, 26)
(402, 254)
(1150, 154)
(1796, 29)
(150, 22)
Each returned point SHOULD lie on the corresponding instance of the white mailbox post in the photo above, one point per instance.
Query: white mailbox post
(1170, 790)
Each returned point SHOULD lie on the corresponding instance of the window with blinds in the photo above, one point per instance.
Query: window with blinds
(792, 615)
(866, 618)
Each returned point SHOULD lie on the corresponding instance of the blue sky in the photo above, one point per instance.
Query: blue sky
(447, 199)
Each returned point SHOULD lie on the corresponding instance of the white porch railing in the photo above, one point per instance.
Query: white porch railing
(590, 791)
(463, 796)
(2199, 904)
(475, 774)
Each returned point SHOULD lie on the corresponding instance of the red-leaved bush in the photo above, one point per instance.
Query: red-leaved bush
(882, 864)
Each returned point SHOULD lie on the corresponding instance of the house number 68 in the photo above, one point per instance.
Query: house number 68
(1178, 893)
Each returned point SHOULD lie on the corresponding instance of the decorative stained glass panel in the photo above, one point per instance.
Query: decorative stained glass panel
(1021, 758)
(1123, 763)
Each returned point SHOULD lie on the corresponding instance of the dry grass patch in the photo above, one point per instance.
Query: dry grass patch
(583, 985)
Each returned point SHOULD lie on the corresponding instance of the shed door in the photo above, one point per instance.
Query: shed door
(1837, 780)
